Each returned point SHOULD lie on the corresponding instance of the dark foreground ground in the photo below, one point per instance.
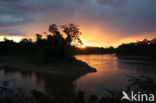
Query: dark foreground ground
(63, 66)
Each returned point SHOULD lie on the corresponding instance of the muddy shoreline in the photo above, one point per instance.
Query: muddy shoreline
(75, 67)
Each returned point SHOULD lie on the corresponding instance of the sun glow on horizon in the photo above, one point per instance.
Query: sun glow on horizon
(14, 38)
(83, 46)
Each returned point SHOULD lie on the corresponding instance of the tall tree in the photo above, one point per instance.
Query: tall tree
(72, 33)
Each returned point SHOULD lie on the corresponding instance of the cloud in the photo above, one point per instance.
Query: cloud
(129, 17)
(13, 31)
(118, 18)
(115, 3)
(10, 20)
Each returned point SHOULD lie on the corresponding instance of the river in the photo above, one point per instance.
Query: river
(112, 73)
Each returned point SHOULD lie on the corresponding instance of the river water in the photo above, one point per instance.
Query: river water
(112, 73)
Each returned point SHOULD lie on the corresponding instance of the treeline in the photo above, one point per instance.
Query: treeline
(63, 41)
(94, 50)
(145, 47)
(55, 45)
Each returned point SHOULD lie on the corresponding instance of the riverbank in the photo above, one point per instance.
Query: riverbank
(63, 66)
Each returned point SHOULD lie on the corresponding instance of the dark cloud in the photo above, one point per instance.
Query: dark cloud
(10, 20)
(130, 17)
(10, 16)
(13, 31)
(9, 0)
(115, 3)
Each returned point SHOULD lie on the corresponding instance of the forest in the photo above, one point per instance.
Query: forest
(145, 47)
(52, 47)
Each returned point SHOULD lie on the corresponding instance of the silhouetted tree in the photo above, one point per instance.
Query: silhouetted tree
(72, 33)
(55, 46)
(38, 37)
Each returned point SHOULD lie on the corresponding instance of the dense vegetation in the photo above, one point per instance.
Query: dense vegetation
(145, 47)
(55, 45)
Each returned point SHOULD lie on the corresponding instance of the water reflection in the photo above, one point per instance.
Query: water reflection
(25, 80)
(60, 87)
(141, 65)
(112, 72)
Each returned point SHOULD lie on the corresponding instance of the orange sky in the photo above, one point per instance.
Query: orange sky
(91, 37)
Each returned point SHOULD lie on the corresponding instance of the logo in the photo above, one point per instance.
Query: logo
(137, 97)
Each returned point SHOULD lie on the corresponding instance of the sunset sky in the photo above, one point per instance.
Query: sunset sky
(102, 22)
